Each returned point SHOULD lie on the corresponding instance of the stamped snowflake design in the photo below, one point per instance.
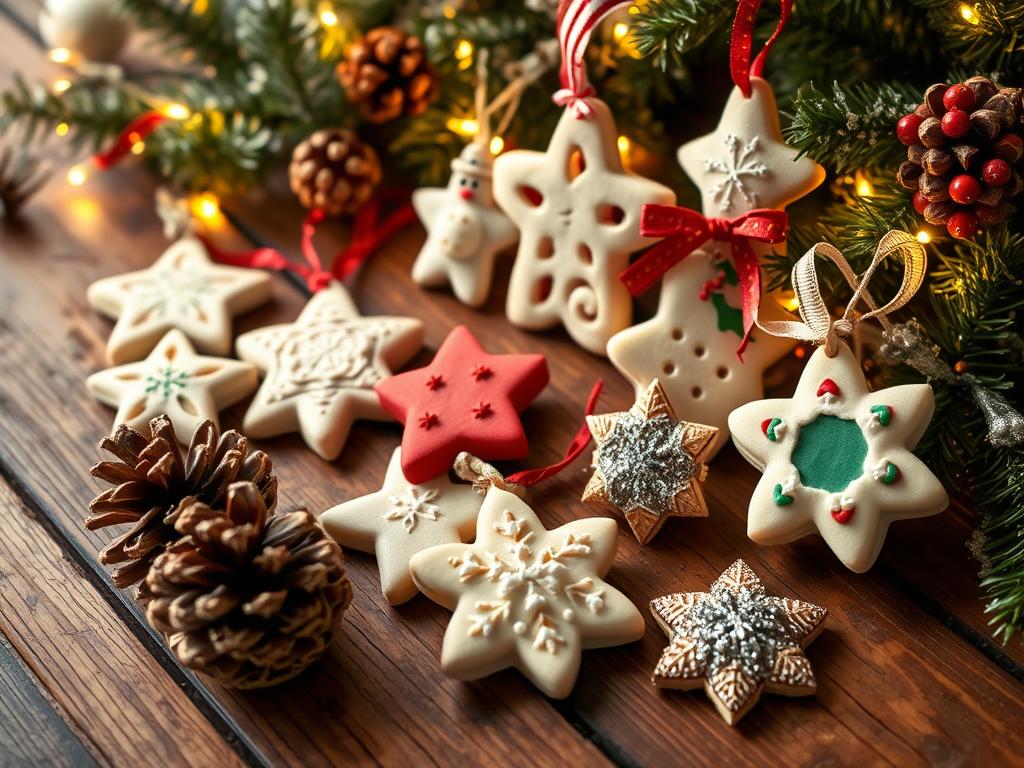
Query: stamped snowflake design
(526, 597)
(165, 382)
(736, 641)
(837, 458)
(414, 505)
(736, 167)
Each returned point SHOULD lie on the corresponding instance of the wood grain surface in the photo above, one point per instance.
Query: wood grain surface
(907, 671)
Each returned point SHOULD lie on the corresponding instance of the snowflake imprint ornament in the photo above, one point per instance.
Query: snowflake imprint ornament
(526, 597)
(578, 214)
(690, 344)
(837, 458)
(736, 641)
(402, 519)
(465, 229)
(182, 290)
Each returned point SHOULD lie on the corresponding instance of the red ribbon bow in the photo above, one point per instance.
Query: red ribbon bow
(686, 230)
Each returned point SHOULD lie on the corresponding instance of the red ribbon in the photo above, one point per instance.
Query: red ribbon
(741, 43)
(575, 20)
(137, 130)
(368, 234)
(686, 230)
(576, 447)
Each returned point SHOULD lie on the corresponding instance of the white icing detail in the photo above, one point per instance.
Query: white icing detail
(519, 628)
(414, 505)
(878, 471)
(790, 483)
(840, 503)
(737, 164)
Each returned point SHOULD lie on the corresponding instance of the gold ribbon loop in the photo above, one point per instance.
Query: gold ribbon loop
(816, 324)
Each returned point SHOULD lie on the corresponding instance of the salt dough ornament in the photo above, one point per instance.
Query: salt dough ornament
(465, 229)
(465, 400)
(175, 381)
(648, 464)
(182, 290)
(737, 642)
(577, 211)
(320, 371)
(690, 344)
(837, 459)
(402, 519)
(526, 597)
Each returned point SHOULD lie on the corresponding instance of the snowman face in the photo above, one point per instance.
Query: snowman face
(471, 188)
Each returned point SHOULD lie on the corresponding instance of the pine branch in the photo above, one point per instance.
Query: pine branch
(987, 37)
(999, 544)
(199, 29)
(667, 29)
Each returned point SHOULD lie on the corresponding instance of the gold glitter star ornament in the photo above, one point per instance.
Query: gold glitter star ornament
(648, 464)
(737, 642)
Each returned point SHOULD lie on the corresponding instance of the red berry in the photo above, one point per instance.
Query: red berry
(1010, 147)
(958, 97)
(920, 203)
(996, 172)
(956, 123)
(963, 224)
(906, 128)
(964, 189)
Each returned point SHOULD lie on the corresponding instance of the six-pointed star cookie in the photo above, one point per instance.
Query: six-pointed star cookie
(465, 400)
(837, 458)
(578, 214)
(402, 519)
(526, 597)
(321, 369)
(737, 642)
(175, 381)
(648, 464)
(183, 289)
(465, 229)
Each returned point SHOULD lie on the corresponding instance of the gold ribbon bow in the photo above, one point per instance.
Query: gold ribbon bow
(817, 325)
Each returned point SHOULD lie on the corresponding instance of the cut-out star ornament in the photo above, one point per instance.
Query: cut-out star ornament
(737, 642)
(320, 371)
(690, 344)
(526, 597)
(465, 229)
(837, 458)
(465, 400)
(648, 464)
(402, 519)
(175, 381)
(182, 290)
(578, 214)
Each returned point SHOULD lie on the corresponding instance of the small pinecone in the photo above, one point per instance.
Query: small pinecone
(248, 598)
(386, 74)
(964, 154)
(333, 170)
(150, 479)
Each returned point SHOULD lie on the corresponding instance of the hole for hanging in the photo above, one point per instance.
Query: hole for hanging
(586, 255)
(576, 165)
(668, 368)
(722, 372)
(187, 405)
(700, 350)
(697, 393)
(531, 195)
(545, 248)
(542, 289)
(170, 352)
(609, 214)
(677, 334)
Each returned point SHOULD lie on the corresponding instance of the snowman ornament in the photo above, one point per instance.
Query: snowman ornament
(465, 229)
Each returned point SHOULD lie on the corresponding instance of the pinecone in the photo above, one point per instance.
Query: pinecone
(333, 170)
(964, 154)
(150, 479)
(386, 74)
(248, 598)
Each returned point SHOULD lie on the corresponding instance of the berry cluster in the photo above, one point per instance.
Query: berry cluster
(964, 153)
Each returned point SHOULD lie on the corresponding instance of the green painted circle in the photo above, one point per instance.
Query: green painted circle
(830, 453)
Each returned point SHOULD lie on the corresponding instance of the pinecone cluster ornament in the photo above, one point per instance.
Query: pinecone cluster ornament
(334, 171)
(151, 477)
(386, 74)
(964, 154)
(245, 596)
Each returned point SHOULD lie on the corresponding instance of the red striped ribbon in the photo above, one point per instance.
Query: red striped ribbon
(575, 21)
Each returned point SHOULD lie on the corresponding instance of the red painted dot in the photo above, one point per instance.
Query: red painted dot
(842, 516)
(828, 387)
(482, 410)
(764, 425)
(435, 382)
(481, 372)
(428, 420)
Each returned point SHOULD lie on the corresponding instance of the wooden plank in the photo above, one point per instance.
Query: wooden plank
(113, 691)
(32, 731)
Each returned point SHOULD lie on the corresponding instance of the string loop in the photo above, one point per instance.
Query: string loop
(742, 40)
(576, 21)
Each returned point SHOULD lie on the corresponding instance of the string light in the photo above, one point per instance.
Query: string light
(862, 185)
(923, 237)
(464, 126)
(497, 144)
(205, 206)
(138, 147)
(464, 54)
(62, 129)
(59, 86)
(60, 55)
(619, 32)
(327, 15)
(77, 176)
(449, 12)
(623, 144)
(792, 303)
(176, 111)
(969, 14)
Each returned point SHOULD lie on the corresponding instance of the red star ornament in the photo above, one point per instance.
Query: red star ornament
(465, 400)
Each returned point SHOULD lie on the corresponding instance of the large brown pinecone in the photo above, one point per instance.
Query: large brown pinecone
(387, 74)
(333, 170)
(248, 598)
(150, 479)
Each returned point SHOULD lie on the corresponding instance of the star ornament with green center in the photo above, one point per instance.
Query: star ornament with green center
(837, 459)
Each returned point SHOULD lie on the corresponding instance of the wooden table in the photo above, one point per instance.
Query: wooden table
(907, 671)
